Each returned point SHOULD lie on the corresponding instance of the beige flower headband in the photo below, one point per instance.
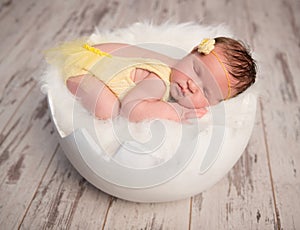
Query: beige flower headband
(206, 47)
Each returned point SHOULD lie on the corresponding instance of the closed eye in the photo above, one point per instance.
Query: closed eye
(197, 68)
(206, 92)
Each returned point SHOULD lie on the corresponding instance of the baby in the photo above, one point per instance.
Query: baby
(112, 79)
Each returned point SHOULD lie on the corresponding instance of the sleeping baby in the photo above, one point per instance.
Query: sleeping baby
(112, 79)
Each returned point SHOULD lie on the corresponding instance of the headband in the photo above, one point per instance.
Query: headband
(205, 47)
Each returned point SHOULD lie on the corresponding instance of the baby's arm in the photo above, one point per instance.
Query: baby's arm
(144, 102)
(94, 95)
(127, 50)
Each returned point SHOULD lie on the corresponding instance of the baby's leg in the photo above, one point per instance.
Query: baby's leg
(95, 96)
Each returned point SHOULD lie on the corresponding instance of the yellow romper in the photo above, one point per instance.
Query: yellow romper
(77, 58)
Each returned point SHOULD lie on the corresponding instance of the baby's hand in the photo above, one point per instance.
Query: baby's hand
(193, 113)
(188, 113)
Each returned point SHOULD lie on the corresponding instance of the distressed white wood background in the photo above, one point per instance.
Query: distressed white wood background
(39, 189)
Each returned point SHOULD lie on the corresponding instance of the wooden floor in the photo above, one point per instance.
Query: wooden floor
(39, 189)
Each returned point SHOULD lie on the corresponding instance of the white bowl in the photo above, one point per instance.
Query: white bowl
(197, 164)
(159, 160)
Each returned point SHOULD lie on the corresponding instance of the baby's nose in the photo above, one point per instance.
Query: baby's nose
(182, 87)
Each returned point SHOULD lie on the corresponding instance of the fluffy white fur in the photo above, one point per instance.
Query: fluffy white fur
(69, 115)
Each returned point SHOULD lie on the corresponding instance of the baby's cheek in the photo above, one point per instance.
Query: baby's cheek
(201, 102)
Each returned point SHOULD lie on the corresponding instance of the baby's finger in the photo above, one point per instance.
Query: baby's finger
(201, 112)
(197, 113)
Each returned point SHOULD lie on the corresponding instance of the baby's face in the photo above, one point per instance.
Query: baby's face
(198, 81)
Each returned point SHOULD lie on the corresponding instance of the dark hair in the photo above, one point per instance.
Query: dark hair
(240, 64)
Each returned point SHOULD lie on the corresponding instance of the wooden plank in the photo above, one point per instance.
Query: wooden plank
(27, 147)
(65, 200)
(277, 30)
(243, 197)
(129, 215)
